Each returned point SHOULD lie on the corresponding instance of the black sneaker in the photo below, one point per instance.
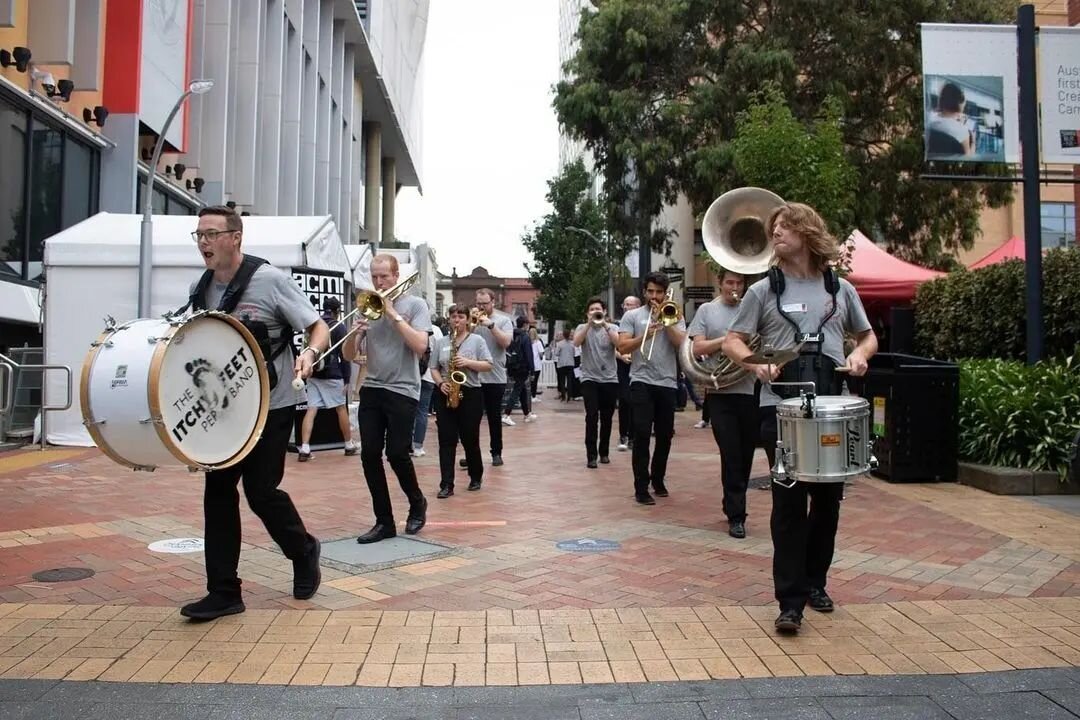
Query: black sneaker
(645, 498)
(307, 574)
(474, 485)
(660, 489)
(788, 622)
(212, 607)
(591, 463)
(303, 457)
(444, 492)
(820, 601)
(737, 530)
(604, 460)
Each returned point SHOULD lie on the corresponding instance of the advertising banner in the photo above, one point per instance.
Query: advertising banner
(1059, 94)
(970, 96)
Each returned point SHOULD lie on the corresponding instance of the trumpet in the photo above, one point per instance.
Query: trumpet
(597, 318)
(476, 317)
(369, 303)
(667, 314)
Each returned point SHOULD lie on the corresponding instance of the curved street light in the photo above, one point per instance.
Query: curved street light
(146, 239)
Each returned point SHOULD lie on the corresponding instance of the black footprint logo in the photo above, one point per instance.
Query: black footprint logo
(199, 369)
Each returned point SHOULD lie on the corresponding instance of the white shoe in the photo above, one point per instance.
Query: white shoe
(623, 447)
(537, 399)
(507, 421)
(419, 452)
(531, 417)
(701, 424)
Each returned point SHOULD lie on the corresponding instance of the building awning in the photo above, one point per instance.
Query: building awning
(19, 303)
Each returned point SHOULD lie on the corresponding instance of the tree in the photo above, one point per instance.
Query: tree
(656, 88)
(567, 268)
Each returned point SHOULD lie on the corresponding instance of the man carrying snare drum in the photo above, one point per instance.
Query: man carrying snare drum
(801, 302)
(270, 300)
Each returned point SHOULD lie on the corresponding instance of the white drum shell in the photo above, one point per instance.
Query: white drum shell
(133, 376)
(832, 446)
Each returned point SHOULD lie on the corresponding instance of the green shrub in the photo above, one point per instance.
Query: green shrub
(980, 313)
(1016, 415)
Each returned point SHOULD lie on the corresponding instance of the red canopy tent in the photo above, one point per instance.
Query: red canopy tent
(883, 280)
(1011, 248)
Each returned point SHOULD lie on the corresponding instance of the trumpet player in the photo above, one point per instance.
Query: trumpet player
(389, 397)
(497, 330)
(652, 334)
(459, 359)
(597, 339)
(733, 413)
(801, 303)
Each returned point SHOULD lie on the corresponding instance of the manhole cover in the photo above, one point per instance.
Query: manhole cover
(63, 574)
(588, 545)
(386, 553)
(177, 545)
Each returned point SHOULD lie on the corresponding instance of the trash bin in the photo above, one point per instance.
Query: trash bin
(915, 416)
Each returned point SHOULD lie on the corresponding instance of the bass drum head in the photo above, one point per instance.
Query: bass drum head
(827, 407)
(208, 384)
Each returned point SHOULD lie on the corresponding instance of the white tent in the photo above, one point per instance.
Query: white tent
(92, 270)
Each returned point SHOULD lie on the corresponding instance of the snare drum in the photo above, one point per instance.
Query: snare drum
(186, 391)
(831, 446)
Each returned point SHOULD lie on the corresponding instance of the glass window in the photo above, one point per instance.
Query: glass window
(80, 179)
(1058, 224)
(12, 214)
(46, 191)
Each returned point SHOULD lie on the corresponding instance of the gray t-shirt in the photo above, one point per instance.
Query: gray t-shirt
(712, 320)
(598, 354)
(504, 323)
(807, 303)
(391, 365)
(564, 353)
(663, 368)
(272, 297)
(472, 347)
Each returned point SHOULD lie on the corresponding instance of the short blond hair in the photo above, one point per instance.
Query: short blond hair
(388, 259)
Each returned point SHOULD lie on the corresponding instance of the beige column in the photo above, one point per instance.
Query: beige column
(389, 197)
(372, 180)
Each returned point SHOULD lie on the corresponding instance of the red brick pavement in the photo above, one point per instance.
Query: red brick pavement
(676, 553)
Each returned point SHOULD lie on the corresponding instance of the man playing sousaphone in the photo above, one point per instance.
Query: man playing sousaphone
(803, 303)
(457, 361)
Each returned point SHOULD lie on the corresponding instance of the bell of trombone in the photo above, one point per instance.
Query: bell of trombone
(733, 229)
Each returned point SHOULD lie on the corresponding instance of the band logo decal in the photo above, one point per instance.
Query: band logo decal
(203, 404)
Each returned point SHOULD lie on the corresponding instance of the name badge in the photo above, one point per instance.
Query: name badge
(794, 307)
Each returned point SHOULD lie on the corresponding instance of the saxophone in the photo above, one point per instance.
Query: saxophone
(456, 378)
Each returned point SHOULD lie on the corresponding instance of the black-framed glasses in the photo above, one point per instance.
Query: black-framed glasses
(209, 234)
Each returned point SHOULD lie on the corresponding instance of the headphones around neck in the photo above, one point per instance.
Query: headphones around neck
(777, 283)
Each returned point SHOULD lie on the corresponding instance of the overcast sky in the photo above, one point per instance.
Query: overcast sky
(490, 138)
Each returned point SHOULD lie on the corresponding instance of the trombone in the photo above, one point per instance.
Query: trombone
(667, 314)
(369, 303)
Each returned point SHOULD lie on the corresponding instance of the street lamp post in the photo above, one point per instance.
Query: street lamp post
(146, 239)
(610, 273)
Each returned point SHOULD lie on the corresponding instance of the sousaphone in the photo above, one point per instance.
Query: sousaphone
(733, 231)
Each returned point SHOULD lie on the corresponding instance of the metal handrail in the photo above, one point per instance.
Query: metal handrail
(12, 366)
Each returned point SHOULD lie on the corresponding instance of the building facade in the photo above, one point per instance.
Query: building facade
(314, 110)
(514, 296)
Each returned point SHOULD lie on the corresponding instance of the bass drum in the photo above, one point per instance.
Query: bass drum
(188, 391)
(831, 446)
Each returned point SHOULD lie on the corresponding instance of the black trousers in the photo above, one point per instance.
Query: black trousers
(493, 404)
(460, 424)
(261, 472)
(386, 419)
(600, 399)
(803, 543)
(735, 422)
(518, 393)
(535, 382)
(565, 379)
(626, 411)
(654, 408)
(767, 432)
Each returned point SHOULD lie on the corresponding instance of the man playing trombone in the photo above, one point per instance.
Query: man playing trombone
(597, 339)
(652, 334)
(388, 399)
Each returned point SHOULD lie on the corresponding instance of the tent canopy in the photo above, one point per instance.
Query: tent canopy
(881, 278)
(1011, 248)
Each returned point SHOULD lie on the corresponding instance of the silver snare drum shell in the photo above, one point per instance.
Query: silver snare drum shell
(831, 446)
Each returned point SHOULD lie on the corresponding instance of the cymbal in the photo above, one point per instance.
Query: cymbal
(769, 356)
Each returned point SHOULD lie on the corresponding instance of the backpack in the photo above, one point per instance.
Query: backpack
(516, 362)
(230, 299)
(425, 358)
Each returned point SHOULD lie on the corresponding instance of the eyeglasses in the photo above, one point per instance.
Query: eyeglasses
(209, 234)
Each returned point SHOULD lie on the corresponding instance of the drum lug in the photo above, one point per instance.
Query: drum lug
(779, 470)
(144, 468)
(149, 420)
(873, 461)
(102, 343)
(88, 423)
(110, 323)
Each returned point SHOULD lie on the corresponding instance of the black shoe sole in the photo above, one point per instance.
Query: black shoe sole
(474, 488)
(823, 609)
(788, 627)
(213, 614)
(443, 496)
(363, 540)
(645, 501)
(661, 493)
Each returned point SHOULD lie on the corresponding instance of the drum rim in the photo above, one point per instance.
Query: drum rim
(153, 385)
(88, 412)
(792, 408)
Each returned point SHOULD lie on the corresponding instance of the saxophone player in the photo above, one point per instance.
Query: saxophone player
(460, 357)
(597, 339)
(733, 410)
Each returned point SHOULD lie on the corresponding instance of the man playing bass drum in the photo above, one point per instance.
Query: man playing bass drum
(459, 406)
(801, 301)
